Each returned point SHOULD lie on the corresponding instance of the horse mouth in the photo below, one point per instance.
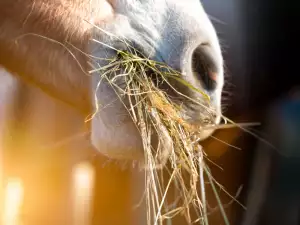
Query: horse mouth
(145, 93)
(196, 108)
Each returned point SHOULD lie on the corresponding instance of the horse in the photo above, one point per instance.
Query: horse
(176, 33)
(48, 45)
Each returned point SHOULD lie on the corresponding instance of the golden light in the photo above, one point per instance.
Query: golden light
(13, 197)
(83, 182)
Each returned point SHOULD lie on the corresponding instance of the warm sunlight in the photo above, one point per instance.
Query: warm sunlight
(83, 181)
(12, 201)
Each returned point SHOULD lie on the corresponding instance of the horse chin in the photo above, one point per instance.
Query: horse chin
(121, 142)
(117, 137)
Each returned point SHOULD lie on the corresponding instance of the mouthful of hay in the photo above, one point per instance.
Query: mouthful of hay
(177, 147)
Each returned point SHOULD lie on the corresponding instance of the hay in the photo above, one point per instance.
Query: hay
(177, 149)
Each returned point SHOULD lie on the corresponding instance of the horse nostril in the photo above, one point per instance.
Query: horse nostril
(205, 66)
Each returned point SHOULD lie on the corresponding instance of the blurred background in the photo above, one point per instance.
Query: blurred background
(260, 52)
(260, 44)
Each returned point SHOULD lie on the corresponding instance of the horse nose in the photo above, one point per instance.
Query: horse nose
(205, 66)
